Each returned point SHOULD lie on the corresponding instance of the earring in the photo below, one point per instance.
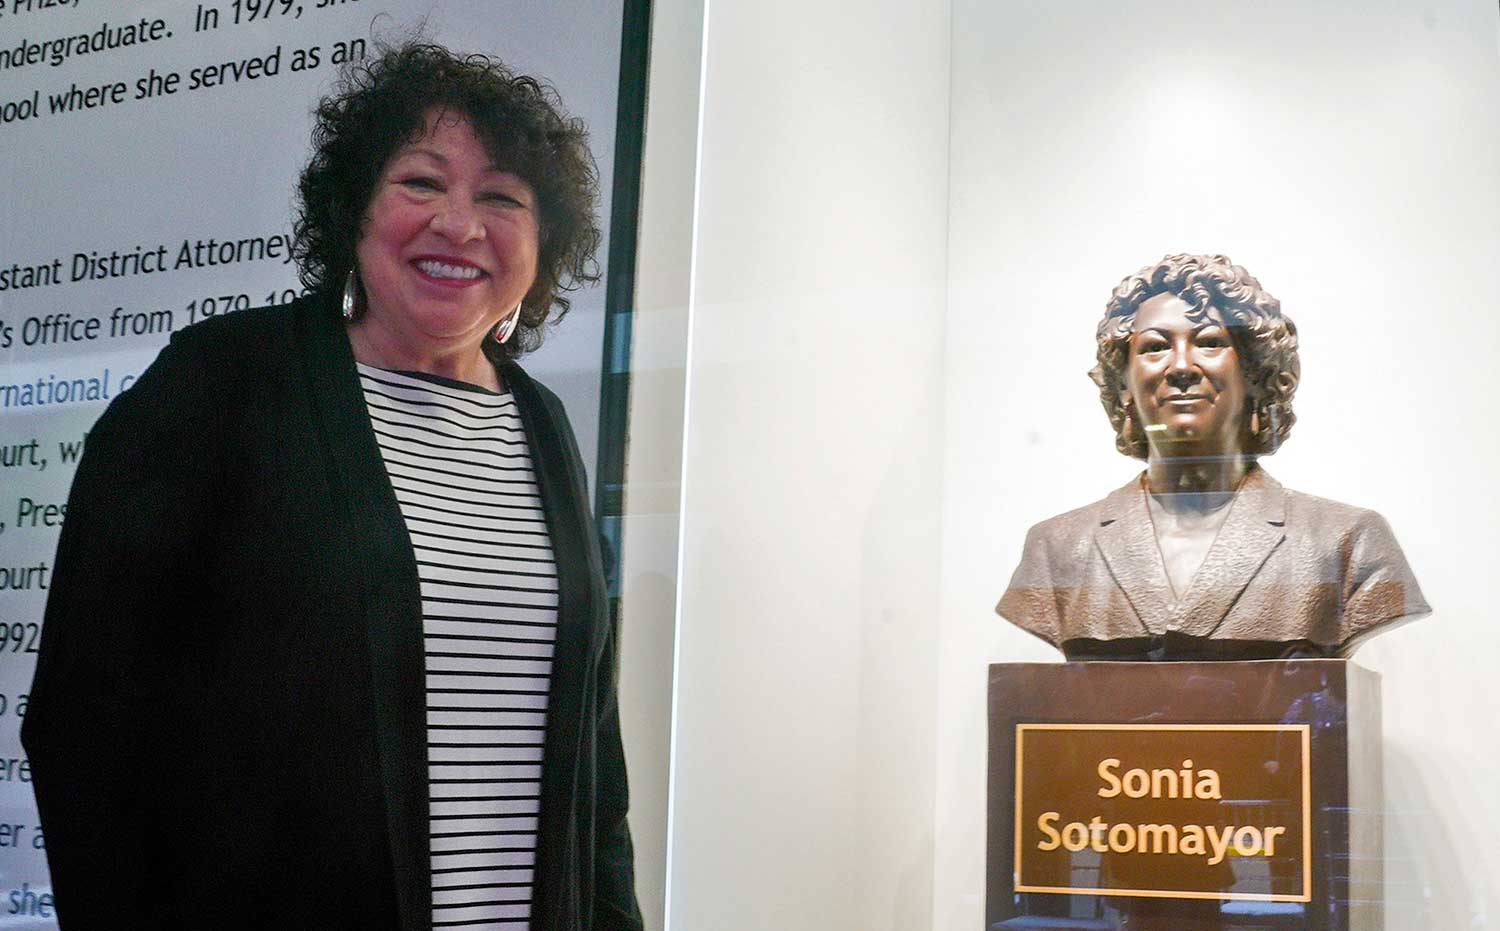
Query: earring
(1255, 421)
(351, 288)
(508, 326)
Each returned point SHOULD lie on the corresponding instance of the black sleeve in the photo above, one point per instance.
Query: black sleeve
(140, 504)
(615, 907)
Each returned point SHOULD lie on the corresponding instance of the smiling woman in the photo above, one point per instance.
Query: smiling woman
(413, 110)
(346, 660)
(449, 251)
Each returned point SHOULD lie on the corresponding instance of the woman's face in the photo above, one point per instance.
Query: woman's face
(1185, 379)
(449, 242)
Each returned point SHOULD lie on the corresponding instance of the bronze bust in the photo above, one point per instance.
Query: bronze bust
(1204, 555)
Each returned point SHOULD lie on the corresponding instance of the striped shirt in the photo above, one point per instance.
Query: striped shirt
(458, 461)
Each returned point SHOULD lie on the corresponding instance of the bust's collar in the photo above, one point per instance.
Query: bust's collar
(1259, 496)
(1252, 529)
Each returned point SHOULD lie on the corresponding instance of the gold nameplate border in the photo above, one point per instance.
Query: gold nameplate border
(1304, 731)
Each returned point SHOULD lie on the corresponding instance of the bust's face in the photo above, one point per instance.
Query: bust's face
(1185, 379)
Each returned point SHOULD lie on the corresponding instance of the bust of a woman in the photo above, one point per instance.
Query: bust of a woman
(1204, 555)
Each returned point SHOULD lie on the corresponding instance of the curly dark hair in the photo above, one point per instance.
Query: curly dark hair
(1264, 338)
(381, 103)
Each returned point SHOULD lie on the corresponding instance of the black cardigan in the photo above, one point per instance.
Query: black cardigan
(227, 727)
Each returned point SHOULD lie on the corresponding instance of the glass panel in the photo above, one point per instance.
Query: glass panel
(1344, 157)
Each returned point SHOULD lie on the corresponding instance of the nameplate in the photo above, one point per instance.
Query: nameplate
(1191, 811)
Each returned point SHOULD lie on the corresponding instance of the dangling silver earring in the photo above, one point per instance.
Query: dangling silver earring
(508, 325)
(351, 289)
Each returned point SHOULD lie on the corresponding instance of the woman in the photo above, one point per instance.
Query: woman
(1204, 555)
(328, 644)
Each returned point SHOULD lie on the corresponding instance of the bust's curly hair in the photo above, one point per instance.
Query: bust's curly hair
(381, 104)
(1263, 337)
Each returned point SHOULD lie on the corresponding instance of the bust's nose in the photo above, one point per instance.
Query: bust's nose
(1182, 374)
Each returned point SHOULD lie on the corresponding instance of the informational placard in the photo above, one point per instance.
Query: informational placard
(1209, 794)
(1186, 811)
(148, 156)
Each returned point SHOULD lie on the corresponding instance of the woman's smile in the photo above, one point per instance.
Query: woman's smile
(448, 272)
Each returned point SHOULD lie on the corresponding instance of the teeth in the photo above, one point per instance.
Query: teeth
(444, 270)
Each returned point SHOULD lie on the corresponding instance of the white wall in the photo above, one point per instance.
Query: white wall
(1347, 155)
(802, 793)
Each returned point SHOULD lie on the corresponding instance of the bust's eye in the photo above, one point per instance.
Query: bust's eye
(1212, 339)
(420, 183)
(1149, 345)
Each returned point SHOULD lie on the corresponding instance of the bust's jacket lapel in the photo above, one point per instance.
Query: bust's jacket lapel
(377, 549)
(1126, 539)
(1127, 542)
(1252, 530)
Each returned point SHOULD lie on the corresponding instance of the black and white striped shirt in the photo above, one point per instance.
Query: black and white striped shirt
(458, 460)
